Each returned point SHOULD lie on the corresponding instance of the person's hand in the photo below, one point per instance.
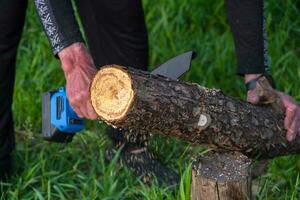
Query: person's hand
(292, 109)
(79, 70)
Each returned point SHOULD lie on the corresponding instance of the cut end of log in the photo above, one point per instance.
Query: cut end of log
(112, 93)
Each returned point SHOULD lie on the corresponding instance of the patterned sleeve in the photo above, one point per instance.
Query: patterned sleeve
(59, 23)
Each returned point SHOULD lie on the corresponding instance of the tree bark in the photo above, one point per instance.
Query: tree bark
(221, 176)
(134, 99)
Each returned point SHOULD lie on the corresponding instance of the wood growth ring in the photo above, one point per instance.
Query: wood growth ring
(112, 93)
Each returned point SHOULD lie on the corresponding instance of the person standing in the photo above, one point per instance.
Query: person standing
(116, 34)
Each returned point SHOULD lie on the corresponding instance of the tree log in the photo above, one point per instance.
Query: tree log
(221, 176)
(134, 99)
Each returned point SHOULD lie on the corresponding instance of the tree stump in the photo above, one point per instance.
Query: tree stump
(221, 176)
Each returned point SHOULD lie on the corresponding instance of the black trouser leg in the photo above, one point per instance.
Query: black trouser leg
(116, 34)
(115, 31)
(12, 14)
(246, 19)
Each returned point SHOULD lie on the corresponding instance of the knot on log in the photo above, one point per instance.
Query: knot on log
(204, 121)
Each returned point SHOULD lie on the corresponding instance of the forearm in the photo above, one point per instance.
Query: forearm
(246, 19)
(59, 23)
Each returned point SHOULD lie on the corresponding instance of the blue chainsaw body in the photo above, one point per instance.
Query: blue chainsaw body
(62, 114)
(60, 122)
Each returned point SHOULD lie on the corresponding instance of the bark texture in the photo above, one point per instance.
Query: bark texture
(221, 176)
(189, 112)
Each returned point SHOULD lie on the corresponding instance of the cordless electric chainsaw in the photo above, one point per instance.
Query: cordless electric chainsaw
(60, 122)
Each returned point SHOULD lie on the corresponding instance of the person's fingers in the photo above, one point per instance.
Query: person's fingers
(75, 104)
(293, 129)
(84, 110)
(84, 98)
(292, 116)
(81, 111)
(290, 113)
(90, 110)
(78, 112)
(286, 100)
(83, 106)
(252, 97)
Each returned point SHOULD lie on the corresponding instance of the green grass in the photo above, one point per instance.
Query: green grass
(79, 171)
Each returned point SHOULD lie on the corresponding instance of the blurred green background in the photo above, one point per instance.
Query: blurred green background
(79, 171)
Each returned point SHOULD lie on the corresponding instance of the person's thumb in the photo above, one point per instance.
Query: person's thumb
(252, 97)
